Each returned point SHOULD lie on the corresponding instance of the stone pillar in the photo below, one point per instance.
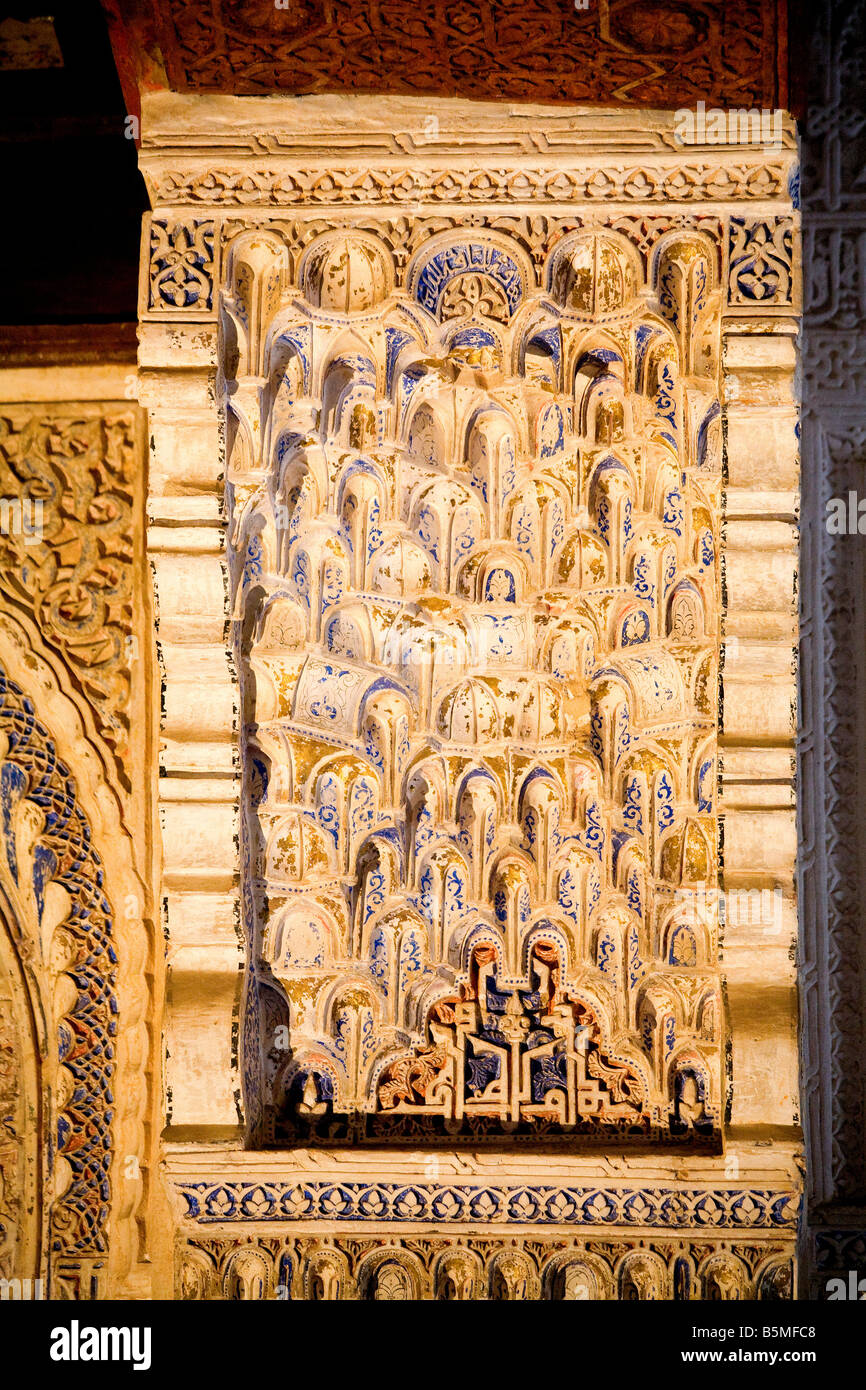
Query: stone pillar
(311, 215)
(197, 758)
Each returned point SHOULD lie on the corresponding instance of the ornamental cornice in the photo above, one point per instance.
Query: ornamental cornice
(362, 151)
(245, 1188)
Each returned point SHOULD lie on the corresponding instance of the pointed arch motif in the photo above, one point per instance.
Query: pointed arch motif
(504, 573)
(60, 927)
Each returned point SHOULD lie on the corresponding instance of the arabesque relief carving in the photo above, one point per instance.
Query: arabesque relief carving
(74, 573)
(525, 50)
(831, 858)
(76, 988)
(688, 181)
(61, 934)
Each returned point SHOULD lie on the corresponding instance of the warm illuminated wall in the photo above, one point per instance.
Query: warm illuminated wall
(470, 461)
(79, 992)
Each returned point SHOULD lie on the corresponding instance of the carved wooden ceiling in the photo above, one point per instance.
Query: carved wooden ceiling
(665, 54)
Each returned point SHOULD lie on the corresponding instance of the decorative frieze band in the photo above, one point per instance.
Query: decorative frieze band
(278, 186)
(478, 1267)
(759, 267)
(659, 1207)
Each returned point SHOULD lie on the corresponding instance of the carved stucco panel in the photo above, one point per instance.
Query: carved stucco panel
(322, 550)
(479, 600)
(74, 652)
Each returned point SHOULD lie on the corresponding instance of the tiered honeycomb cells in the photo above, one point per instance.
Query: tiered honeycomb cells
(476, 513)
